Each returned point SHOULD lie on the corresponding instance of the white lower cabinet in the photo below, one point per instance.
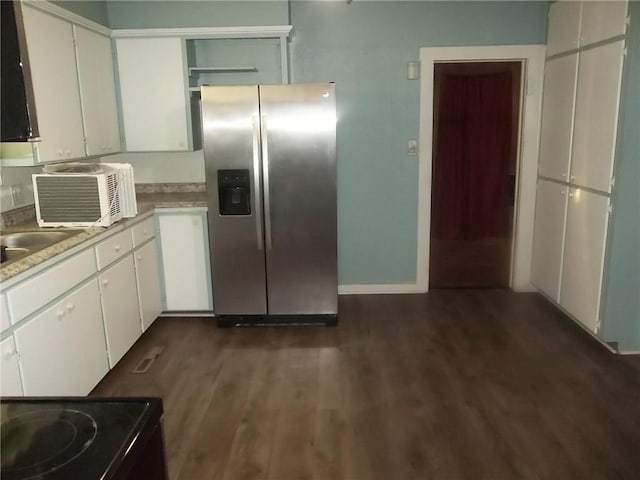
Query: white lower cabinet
(62, 350)
(10, 382)
(583, 258)
(185, 261)
(148, 281)
(120, 308)
(548, 239)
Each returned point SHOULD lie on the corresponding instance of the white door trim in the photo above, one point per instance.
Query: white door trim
(533, 73)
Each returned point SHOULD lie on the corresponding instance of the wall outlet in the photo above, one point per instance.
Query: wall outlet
(412, 147)
(17, 195)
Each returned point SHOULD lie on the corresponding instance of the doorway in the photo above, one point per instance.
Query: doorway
(476, 113)
(532, 59)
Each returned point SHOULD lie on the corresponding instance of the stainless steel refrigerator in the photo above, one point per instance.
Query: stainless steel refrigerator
(270, 165)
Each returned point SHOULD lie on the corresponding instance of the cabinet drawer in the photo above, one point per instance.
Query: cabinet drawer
(113, 248)
(142, 232)
(29, 296)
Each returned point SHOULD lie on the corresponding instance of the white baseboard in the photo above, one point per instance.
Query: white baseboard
(527, 288)
(369, 289)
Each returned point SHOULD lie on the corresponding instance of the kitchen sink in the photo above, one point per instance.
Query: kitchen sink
(20, 244)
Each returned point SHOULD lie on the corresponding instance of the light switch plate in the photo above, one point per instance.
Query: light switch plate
(412, 147)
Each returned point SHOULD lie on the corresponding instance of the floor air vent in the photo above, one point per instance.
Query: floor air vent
(145, 364)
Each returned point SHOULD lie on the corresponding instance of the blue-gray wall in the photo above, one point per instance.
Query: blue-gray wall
(364, 47)
(95, 10)
(189, 13)
(621, 308)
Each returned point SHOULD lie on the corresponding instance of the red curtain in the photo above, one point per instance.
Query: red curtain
(470, 187)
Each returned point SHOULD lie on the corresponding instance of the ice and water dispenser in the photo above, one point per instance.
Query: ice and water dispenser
(234, 192)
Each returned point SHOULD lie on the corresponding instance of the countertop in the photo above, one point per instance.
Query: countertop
(147, 203)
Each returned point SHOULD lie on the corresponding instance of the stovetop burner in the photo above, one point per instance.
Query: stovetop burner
(63, 439)
(38, 443)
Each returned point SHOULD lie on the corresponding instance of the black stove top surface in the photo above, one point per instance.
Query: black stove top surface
(75, 438)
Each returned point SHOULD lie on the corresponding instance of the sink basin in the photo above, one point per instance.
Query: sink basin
(20, 244)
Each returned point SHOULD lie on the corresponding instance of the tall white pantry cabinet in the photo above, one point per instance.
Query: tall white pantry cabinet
(583, 76)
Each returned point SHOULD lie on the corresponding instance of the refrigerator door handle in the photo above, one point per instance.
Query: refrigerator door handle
(265, 182)
(256, 181)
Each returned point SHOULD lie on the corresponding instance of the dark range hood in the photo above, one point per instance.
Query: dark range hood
(18, 123)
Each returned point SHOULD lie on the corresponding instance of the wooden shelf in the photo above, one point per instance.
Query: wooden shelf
(199, 70)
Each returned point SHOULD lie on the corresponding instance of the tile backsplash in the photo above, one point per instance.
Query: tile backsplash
(16, 189)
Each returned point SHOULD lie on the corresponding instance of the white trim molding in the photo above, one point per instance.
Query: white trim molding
(272, 31)
(60, 12)
(532, 57)
(373, 289)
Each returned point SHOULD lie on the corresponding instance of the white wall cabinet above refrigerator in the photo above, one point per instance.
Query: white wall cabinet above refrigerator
(153, 92)
(563, 31)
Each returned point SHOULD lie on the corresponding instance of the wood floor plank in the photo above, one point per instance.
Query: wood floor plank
(453, 384)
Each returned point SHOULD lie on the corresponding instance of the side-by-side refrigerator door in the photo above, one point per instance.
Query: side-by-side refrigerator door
(231, 143)
(299, 178)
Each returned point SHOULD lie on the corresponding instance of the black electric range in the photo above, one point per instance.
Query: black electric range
(83, 438)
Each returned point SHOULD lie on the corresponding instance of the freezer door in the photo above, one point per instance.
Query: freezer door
(231, 144)
(299, 178)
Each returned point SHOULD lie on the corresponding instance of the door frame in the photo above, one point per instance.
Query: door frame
(532, 58)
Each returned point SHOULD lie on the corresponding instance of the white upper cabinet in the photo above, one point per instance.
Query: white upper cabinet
(548, 239)
(596, 117)
(98, 92)
(602, 20)
(55, 83)
(153, 93)
(583, 260)
(557, 117)
(564, 26)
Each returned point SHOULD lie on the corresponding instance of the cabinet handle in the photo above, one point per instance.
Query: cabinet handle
(139, 257)
(68, 152)
(60, 314)
(571, 195)
(573, 179)
(117, 248)
(60, 153)
(144, 231)
(564, 175)
(105, 282)
(563, 192)
(70, 307)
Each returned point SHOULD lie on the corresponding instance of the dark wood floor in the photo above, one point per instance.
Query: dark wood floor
(466, 384)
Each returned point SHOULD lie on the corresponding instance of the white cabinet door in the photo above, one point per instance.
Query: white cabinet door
(98, 92)
(4, 313)
(596, 118)
(120, 308)
(148, 279)
(10, 382)
(557, 117)
(548, 237)
(55, 83)
(603, 19)
(184, 247)
(153, 93)
(564, 26)
(62, 350)
(583, 260)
